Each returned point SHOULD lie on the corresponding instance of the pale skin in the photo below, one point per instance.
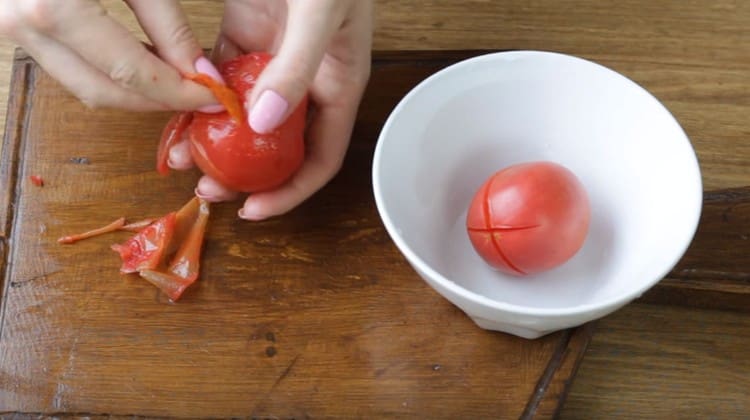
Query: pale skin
(321, 48)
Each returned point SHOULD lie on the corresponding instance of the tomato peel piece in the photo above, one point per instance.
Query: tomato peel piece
(37, 180)
(178, 235)
(116, 225)
(186, 262)
(137, 226)
(170, 136)
(170, 284)
(185, 265)
(225, 95)
(147, 249)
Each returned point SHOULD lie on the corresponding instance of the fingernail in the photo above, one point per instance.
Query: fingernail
(267, 112)
(200, 195)
(205, 66)
(179, 156)
(250, 212)
(211, 109)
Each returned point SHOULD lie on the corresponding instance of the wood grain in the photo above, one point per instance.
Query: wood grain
(551, 395)
(664, 362)
(692, 54)
(308, 315)
(715, 271)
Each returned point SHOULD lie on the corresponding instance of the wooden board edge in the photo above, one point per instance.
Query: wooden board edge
(554, 384)
(21, 75)
(23, 415)
(725, 295)
(447, 57)
(19, 54)
(19, 102)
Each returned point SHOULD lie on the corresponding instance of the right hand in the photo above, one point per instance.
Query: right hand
(321, 48)
(102, 63)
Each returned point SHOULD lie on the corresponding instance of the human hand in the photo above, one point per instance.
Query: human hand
(102, 63)
(322, 48)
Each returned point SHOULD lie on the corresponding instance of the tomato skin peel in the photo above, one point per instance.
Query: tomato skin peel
(146, 249)
(166, 251)
(529, 218)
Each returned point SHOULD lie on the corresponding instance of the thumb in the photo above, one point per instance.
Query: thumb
(285, 81)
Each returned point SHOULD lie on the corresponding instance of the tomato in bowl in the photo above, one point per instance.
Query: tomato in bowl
(529, 218)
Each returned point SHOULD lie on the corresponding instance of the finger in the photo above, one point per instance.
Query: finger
(329, 135)
(282, 85)
(167, 27)
(180, 157)
(252, 26)
(90, 85)
(211, 190)
(224, 49)
(86, 29)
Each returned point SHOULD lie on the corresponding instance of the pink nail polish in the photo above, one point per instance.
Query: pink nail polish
(205, 66)
(267, 112)
(200, 195)
(247, 216)
(250, 212)
(211, 109)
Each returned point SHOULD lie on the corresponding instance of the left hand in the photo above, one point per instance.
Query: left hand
(98, 60)
(320, 47)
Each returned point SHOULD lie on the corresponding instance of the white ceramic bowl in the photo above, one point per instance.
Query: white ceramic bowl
(471, 119)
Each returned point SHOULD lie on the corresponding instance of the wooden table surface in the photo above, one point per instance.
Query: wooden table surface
(684, 359)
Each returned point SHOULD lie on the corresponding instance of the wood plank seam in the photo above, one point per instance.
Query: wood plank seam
(13, 143)
(545, 379)
(67, 414)
(76, 414)
(729, 195)
(581, 337)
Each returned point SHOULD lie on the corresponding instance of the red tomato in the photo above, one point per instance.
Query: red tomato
(529, 218)
(232, 153)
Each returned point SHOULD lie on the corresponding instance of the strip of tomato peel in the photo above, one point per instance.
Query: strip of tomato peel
(223, 94)
(137, 226)
(114, 226)
(168, 283)
(183, 270)
(186, 262)
(171, 134)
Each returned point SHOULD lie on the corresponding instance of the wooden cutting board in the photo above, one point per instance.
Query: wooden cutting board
(313, 314)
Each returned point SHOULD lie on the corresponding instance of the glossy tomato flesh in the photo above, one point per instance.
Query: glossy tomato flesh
(529, 218)
(232, 153)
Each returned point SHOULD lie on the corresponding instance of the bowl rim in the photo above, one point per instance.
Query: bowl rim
(453, 287)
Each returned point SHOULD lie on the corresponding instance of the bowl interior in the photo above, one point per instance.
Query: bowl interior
(466, 122)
